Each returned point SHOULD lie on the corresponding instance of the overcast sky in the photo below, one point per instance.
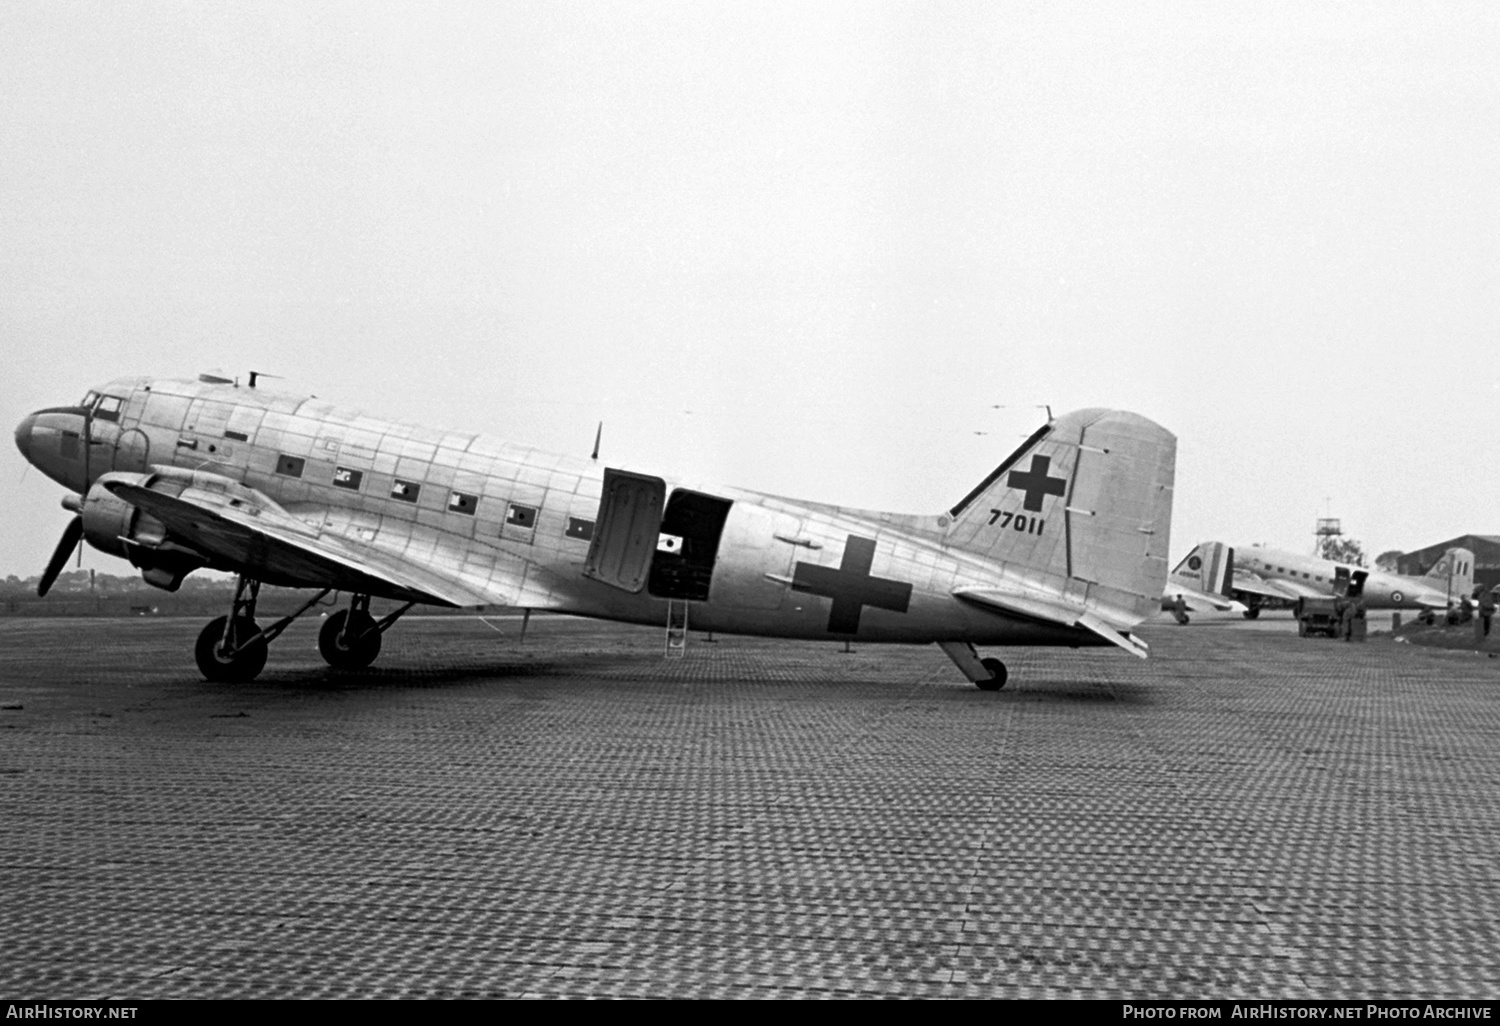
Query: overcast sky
(838, 251)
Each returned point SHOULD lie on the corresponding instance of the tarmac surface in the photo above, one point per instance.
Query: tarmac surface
(1244, 815)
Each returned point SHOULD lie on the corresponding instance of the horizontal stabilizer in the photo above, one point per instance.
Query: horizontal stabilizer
(1051, 609)
(1129, 642)
(1199, 602)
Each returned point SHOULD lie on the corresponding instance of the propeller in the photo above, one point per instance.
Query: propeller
(65, 546)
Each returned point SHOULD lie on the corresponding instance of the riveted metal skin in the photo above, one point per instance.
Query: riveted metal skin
(1064, 544)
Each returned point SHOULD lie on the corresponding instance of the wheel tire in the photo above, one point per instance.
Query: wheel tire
(1183, 619)
(998, 675)
(1252, 612)
(244, 665)
(354, 652)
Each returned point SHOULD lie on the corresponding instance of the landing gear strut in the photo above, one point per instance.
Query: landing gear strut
(350, 638)
(987, 674)
(232, 649)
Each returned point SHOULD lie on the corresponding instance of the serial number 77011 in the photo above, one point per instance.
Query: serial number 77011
(1017, 521)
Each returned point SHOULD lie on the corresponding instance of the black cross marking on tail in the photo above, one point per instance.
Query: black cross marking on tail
(1036, 483)
(851, 587)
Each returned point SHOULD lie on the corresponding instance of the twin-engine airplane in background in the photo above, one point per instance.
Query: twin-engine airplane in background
(1065, 543)
(1203, 583)
(1258, 577)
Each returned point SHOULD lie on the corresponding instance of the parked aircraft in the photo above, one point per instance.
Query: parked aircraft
(1202, 583)
(1065, 543)
(1262, 577)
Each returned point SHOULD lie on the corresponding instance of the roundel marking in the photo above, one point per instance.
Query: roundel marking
(1195, 563)
(1396, 596)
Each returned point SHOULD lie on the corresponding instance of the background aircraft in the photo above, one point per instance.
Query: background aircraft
(1065, 543)
(1202, 583)
(1259, 577)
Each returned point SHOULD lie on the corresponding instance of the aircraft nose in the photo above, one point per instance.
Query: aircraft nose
(23, 435)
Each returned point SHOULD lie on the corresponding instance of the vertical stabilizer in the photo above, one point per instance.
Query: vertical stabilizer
(1209, 568)
(1453, 573)
(1084, 506)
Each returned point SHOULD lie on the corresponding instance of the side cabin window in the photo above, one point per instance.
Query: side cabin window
(405, 491)
(108, 408)
(343, 477)
(462, 502)
(520, 516)
(291, 466)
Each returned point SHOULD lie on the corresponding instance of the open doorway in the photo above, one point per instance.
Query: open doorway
(683, 566)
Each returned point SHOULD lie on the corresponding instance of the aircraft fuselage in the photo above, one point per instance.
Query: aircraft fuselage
(1381, 590)
(510, 525)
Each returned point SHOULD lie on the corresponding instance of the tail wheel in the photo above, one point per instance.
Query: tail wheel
(231, 659)
(351, 649)
(998, 675)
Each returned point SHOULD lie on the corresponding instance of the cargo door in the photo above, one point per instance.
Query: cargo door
(688, 546)
(626, 531)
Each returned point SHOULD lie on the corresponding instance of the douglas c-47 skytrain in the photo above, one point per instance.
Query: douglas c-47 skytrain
(1065, 543)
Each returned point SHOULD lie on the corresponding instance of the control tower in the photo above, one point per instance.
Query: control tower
(1327, 530)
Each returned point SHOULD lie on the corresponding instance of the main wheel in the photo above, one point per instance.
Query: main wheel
(248, 658)
(998, 675)
(1252, 612)
(357, 648)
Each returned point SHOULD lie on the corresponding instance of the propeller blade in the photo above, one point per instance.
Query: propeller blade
(65, 545)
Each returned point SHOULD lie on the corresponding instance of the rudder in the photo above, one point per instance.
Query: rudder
(1086, 499)
(1453, 573)
(1209, 568)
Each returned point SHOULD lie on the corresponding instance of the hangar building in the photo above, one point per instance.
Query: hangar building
(1486, 549)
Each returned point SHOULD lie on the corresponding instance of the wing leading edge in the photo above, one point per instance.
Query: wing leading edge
(244, 528)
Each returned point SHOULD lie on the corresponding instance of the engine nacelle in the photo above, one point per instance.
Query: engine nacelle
(112, 525)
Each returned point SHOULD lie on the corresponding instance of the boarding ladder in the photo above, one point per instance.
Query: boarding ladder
(677, 628)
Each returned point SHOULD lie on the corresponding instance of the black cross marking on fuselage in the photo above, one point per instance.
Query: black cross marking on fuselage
(851, 587)
(1036, 483)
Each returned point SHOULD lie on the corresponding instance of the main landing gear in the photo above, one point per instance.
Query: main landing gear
(987, 674)
(233, 648)
(350, 638)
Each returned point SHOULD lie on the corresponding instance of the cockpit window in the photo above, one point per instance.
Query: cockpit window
(108, 408)
(89, 400)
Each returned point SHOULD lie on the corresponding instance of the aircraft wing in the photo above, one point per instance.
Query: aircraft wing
(1285, 591)
(246, 528)
(1052, 609)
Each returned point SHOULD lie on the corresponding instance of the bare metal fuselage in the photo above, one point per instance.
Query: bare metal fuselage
(514, 526)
